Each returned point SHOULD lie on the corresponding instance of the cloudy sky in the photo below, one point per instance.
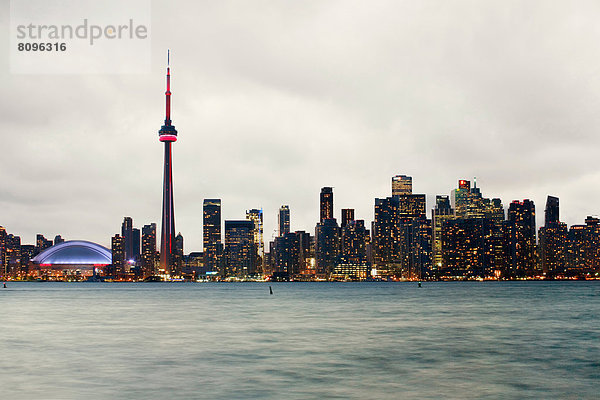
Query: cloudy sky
(275, 99)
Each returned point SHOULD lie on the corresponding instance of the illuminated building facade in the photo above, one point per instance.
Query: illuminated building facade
(439, 215)
(347, 216)
(256, 216)
(240, 251)
(284, 220)
(327, 246)
(212, 234)
(401, 185)
(553, 241)
(149, 250)
(326, 203)
(520, 239)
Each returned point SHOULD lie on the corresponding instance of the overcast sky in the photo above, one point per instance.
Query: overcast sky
(275, 99)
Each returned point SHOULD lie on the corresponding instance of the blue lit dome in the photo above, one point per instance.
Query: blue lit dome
(75, 252)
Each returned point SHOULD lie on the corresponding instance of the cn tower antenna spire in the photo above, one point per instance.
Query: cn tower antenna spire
(168, 135)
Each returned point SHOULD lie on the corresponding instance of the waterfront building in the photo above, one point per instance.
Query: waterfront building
(347, 216)
(326, 203)
(284, 220)
(75, 260)
(327, 246)
(520, 240)
(553, 241)
(441, 213)
(148, 250)
(256, 216)
(212, 234)
(116, 269)
(240, 251)
(401, 185)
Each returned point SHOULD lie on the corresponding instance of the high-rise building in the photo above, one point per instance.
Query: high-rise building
(326, 203)
(520, 240)
(167, 135)
(386, 234)
(401, 185)
(466, 247)
(178, 255)
(212, 234)
(284, 220)
(439, 215)
(327, 246)
(117, 268)
(58, 240)
(551, 214)
(240, 251)
(127, 235)
(553, 237)
(354, 240)
(42, 243)
(256, 216)
(290, 254)
(347, 216)
(148, 250)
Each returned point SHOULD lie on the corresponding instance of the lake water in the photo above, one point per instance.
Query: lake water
(459, 340)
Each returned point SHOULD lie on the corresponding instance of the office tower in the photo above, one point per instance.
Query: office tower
(347, 216)
(284, 220)
(386, 234)
(42, 243)
(439, 215)
(551, 214)
(148, 250)
(167, 135)
(354, 240)
(592, 246)
(466, 244)
(127, 235)
(553, 237)
(240, 251)
(520, 241)
(290, 254)
(117, 268)
(136, 252)
(58, 240)
(327, 246)
(326, 202)
(256, 216)
(178, 255)
(212, 234)
(576, 250)
(401, 184)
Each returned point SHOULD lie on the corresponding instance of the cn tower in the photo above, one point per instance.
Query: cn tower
(168, 135)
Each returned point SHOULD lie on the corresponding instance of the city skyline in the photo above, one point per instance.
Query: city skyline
(264, 127)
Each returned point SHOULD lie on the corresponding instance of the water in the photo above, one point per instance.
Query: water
(462, 340)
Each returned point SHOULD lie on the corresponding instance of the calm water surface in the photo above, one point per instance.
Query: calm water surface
(463, 340)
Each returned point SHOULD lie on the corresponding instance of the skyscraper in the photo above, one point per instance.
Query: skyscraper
(256, 216)
(401, 184)
(127, 235)
(551, 213)
(520, 239)
(167, 135)
(326, 203)
(212, 233)
(284, 220)
(117, 268)
(239, 248)
(441, 213)
(347, 216)
(148, 250)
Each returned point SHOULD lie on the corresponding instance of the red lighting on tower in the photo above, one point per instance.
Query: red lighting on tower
(168, 135)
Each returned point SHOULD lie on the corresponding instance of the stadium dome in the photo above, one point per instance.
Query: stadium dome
(74, 252)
